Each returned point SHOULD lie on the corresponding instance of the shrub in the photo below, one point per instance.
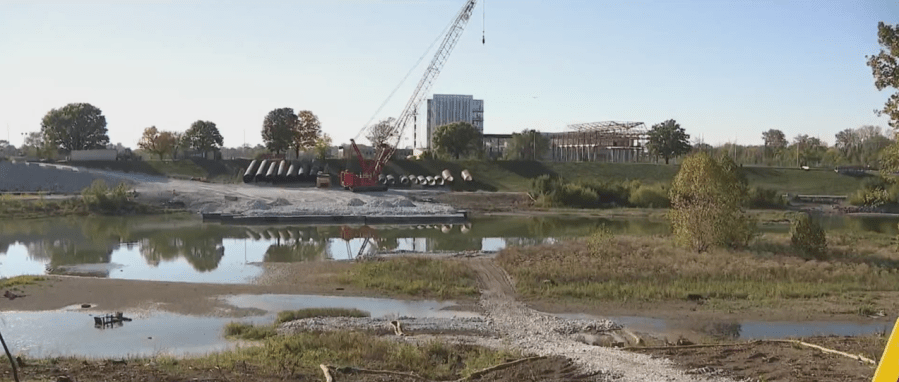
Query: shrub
(608, 193)
(760, 197)
(544, 185)
(600, 239)
(654, 196)
(576, 195)
(707, 200)
(101, 197)
(807, 236)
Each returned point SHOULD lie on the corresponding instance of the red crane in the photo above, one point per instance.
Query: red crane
(367, 178)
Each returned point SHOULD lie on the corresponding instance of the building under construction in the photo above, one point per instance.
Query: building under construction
(608, 141)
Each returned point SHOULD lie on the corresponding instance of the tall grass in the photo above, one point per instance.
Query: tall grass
(303, 352)
(652, 269)
(414, 276)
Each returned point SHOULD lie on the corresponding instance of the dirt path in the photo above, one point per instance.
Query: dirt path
(493, 278)
(547, 335)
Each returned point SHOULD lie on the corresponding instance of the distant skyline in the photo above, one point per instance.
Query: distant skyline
(726, 71)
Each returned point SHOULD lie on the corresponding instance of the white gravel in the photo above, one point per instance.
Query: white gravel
(544, 334)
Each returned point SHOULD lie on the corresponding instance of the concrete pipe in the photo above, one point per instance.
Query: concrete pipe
(466, 176)
(382, 179)
(282, 170)
(445, 229)
(251, 171)
(391, 180)
(447, 176)
(465, 228)
(272, 172)
(292, 172)
(430, 180)
(263, 167)
(404, 180)
(422, 180)
(438, 180)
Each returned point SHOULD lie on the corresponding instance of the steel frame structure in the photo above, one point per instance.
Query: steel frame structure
(612, 141)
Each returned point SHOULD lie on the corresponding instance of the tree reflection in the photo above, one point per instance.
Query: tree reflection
(202, 248)
(296, 251)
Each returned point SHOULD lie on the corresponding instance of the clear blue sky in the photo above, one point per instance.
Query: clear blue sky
(725, 70)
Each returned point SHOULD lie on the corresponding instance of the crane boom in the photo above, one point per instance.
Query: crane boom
(440, 58)
(368, 177)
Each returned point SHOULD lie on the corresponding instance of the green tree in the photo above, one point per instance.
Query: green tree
(668, 140)
(323, 147)
(381, 132)
(456, 139)
(278, 129)
(203, 136)
(885, 69)
(707, 204)
(76, 126)
(307, 131)
(527, 145)
(775, 141)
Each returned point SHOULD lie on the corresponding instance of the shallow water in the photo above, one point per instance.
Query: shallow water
(71, 331)
(749, 330)
(183, 248)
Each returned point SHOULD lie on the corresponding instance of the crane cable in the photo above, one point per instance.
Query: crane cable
(484, 22)
(442, 33)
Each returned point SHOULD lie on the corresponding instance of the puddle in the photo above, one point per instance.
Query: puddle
(70, 332)
(67, 333)
(749, 330)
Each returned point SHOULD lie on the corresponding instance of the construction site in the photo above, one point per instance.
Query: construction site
(385, 265)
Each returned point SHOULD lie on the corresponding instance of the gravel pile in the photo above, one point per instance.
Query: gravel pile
(407, 324)
(33, 177)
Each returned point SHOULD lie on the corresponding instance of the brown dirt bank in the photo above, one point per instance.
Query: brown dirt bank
(782, 361)
(549, 370)
(184, 298)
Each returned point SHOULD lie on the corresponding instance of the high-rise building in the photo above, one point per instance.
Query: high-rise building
(444, 109)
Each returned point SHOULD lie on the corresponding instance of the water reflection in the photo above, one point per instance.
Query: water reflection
(183, 248)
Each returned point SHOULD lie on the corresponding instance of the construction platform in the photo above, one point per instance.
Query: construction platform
(459, 217)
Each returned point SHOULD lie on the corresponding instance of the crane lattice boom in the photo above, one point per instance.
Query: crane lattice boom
(369, 174)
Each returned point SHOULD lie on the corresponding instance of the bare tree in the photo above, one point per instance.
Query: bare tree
(380, 133)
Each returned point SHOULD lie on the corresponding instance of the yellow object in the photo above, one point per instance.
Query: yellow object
(888, 369)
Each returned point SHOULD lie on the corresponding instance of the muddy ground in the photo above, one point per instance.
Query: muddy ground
(551, 370)
(756, 361)
(782, 361)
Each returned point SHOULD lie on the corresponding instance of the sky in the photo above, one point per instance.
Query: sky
(724, 70)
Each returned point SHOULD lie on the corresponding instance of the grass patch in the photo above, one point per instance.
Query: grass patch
(303, 352)
(413, 276)
(293, 315)
(20, 281)
(249, 332)
(96, 199)
(652, 269)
